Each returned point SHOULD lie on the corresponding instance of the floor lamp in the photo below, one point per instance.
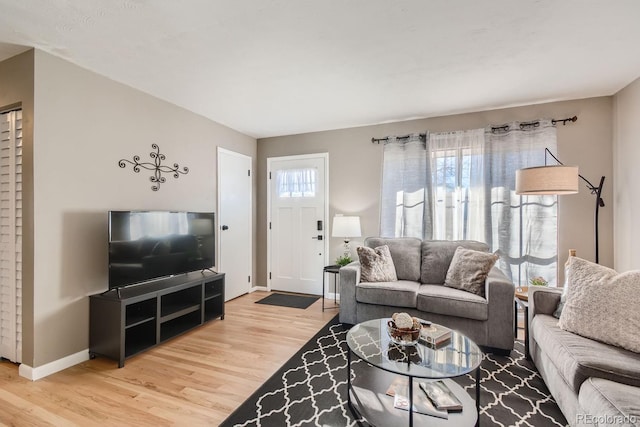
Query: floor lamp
(557, 180)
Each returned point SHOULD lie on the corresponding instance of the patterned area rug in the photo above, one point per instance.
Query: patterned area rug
(310, 390)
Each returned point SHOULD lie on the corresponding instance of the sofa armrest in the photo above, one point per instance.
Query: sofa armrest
(500, 292)
(349, 278)
(543, 300)
(499, 285)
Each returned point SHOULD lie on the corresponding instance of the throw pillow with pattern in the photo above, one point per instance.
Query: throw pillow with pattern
(469, 269)
(376, 265)
(602, 304)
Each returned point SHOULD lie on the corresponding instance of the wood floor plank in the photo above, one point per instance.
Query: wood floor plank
(196, 379)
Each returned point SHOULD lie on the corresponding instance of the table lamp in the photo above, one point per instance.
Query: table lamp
(346, 227)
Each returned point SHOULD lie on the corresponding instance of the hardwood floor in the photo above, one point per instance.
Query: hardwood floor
(196, 379)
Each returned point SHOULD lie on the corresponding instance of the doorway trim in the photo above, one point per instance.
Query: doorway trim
(270, 160)
(250, 286)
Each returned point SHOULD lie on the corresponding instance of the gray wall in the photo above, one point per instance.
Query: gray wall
(355, 170)
(83, 124)
(627, 178)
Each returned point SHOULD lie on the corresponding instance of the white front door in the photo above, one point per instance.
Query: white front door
(298, 228)
(234, 222)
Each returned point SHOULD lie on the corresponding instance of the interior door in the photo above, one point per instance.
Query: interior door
(297, 192)
(234, 222)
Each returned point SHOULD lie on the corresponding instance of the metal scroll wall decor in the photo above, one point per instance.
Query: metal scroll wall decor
(155, 166)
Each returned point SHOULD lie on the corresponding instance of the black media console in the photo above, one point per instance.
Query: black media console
(125, 323)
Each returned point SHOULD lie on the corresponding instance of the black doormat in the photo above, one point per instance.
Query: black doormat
(310, 390)
(288, 300)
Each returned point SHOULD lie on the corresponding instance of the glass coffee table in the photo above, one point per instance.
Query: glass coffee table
(386, 361)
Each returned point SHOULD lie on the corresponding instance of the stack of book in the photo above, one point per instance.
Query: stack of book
(437, 400)
(441, 396)
(435, 335)
(399, 390)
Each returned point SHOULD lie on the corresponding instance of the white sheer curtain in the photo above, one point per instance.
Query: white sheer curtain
(404, 180)
(523, 228)
(461, 185)
(296, 182)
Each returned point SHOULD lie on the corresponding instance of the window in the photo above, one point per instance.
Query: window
(460, 186)
(453, 190)
(296, 182)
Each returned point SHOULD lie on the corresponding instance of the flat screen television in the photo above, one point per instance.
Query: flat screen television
(146, 245)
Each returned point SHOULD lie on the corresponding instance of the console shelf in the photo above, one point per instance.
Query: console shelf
(125, 323)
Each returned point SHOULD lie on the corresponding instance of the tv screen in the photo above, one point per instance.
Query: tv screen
(145, 245)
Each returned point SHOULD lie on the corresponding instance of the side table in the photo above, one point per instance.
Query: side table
(521, 300)
(335, 270)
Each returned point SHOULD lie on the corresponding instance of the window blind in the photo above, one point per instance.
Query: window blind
(11, 235)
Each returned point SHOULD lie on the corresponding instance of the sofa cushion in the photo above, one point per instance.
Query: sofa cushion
(469, 269)
(613, 403)
(437, 256)
(577, 358)
(402, 293)
(439, 299)
(602, 304)
(376, 264)
(405, 252)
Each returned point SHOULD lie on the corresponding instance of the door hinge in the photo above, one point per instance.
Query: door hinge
(269, 175)
(269, 275)
(249, 172)
(249, 279)
(269, 225)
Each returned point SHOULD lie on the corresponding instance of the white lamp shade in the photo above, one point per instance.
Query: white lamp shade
(346, 226)
(543, 180)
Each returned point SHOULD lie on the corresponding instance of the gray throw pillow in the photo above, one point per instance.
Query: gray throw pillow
(376, 265)
(469, 270)
(602, 304)
(563, 301)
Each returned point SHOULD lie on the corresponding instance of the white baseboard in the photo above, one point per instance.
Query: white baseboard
(258, 288)
(35, 374)
(331, 297)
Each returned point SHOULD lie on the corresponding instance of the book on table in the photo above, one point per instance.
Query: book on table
(435, 334)
(399, 390)
(441, 395)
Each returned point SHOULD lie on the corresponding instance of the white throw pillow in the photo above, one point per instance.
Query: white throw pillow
(603, 304)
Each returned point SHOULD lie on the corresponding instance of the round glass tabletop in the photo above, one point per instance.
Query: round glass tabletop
(371, 342)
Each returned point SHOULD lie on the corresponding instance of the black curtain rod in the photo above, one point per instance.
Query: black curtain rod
(493, 128)
(534, 124)
(386, 138)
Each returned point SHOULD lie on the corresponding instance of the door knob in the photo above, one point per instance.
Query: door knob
(319, 237)
(225, 227)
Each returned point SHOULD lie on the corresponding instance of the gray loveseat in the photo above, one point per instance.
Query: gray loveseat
(592, 382)
(421, 267)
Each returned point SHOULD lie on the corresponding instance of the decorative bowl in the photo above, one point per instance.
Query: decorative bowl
(403, 336)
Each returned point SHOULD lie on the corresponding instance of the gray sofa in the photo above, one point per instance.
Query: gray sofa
(421, 267)
(592, 382)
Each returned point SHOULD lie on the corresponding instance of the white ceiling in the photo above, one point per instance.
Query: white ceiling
(277, 67)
